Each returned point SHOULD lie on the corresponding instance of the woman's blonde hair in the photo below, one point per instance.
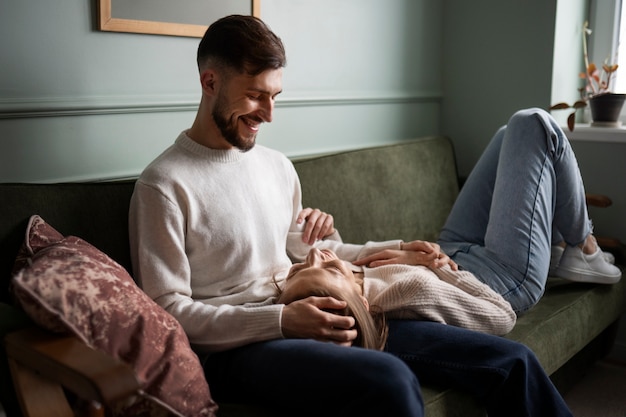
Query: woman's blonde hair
(369, 323)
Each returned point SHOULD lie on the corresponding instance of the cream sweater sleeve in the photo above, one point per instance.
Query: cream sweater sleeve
(453, 297)
(298, 250)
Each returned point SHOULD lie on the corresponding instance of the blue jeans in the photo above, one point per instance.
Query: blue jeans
(309, 378)
(524, 193)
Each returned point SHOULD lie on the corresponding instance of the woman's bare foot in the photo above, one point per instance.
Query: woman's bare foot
(590, 245)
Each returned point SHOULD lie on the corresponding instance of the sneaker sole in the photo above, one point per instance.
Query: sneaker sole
(578, 275)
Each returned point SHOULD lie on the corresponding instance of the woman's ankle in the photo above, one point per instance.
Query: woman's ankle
(589, 246)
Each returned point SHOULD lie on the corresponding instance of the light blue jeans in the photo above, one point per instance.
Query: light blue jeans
(524, 193)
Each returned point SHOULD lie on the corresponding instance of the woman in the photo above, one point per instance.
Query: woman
(502, 374)
(521, 211)
(439, 293)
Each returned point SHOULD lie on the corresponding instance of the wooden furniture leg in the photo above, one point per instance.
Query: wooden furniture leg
(38, 396)
(44, 365)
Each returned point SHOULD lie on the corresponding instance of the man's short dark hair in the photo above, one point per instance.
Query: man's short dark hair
(243, 43)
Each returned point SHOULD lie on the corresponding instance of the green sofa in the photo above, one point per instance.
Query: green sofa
(402, 190)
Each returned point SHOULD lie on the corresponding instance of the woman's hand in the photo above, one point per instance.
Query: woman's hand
(318, 225)
(305, 319)
(417, 252)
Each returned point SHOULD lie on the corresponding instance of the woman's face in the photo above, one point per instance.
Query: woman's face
(320, 270)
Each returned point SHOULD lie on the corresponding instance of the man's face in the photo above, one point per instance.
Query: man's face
(244, 102)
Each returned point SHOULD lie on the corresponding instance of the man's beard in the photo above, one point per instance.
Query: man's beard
(229, 129)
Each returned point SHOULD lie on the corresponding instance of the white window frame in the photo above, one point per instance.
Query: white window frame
(604, 20)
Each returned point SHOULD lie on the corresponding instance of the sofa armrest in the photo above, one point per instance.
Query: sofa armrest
(43, 360)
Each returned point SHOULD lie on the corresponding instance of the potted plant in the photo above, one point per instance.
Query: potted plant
(604, 104)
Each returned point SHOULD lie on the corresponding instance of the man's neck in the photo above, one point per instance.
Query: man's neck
(204, 132)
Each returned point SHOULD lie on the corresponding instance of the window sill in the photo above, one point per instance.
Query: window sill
(586, 132)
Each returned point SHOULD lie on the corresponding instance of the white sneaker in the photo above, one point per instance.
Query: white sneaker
(575, 265)
(609, 257)
(557, 253)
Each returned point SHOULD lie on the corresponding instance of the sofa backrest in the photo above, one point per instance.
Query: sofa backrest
(402, 191)
(96, 212)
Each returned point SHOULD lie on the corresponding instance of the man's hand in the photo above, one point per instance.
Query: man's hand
(318, 225)
(417, 252)
(305, 319)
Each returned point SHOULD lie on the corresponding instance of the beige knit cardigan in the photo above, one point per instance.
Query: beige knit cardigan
(442, 295)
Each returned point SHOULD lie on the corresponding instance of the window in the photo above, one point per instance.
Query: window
(620, 80)
(609, 38)
(607, 20)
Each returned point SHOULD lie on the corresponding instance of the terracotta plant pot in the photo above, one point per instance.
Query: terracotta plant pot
(606, 108)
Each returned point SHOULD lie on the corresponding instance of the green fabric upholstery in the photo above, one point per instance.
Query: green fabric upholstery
(391, 192)
(567, 318)
(402, 191)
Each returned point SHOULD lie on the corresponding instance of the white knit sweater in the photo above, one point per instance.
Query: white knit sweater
(208, 233)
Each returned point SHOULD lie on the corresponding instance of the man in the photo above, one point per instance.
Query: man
(209, 223)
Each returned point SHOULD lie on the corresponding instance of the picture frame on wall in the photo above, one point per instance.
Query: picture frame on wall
(165, 17)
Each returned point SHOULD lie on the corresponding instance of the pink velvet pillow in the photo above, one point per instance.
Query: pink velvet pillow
(66, 285)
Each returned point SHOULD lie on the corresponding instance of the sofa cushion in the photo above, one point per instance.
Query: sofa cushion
(67, 285)
(567, 318)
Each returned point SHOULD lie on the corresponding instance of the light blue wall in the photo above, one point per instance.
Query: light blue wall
(77, 103)
(497, 58)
